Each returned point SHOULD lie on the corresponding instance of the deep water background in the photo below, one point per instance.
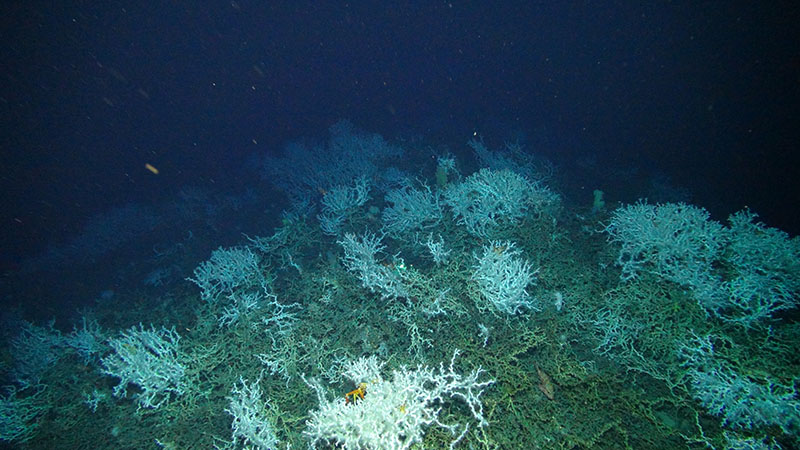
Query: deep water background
(700, 95)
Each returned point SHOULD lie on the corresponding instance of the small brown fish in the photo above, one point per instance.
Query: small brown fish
(546, 384)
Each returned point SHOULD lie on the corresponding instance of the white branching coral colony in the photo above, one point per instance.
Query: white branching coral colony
(335, 330)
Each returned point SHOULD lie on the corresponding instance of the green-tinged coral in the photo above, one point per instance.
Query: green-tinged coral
(587, 361)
